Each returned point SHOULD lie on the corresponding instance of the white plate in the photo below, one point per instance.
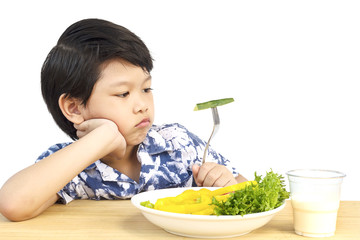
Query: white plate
(199, 226)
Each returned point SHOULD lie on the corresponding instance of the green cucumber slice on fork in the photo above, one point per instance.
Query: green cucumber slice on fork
(213, 105)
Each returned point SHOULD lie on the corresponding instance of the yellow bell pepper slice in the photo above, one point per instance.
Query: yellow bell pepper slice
(198, 202)
(206, 211)
(210, 209)
(232, 188)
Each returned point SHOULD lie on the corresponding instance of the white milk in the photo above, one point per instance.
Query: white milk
(315, 197)
(315, 218)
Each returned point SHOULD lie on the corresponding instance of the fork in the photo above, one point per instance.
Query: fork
(216, 120)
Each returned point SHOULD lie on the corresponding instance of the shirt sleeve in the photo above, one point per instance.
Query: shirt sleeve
(64, 196)
(75, 189)
(51, 150)
(193, 151)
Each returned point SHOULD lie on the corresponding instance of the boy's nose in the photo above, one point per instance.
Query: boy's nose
(140, 105)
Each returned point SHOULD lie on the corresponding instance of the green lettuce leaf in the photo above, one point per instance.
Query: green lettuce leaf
(268, 194)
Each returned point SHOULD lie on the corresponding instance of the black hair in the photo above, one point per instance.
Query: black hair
(74, 65)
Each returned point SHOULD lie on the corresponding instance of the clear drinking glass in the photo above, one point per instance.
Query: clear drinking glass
(315, 198)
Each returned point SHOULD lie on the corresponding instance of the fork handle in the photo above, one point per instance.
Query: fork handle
(208, 143)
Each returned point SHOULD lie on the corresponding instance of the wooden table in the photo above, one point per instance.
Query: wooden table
(85, 219)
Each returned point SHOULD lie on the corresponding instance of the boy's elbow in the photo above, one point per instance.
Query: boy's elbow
(22, 208)
(9, 212)
(14, 211)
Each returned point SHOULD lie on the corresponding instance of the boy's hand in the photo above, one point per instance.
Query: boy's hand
(106, 129)
(89, 125)
(212, 175)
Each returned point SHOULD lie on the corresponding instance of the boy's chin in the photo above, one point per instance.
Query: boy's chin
(136, 140)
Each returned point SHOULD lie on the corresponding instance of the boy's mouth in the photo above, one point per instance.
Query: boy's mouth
(144, 123)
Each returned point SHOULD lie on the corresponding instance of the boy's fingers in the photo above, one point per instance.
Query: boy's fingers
(202, 174)
(212, 176)
(82, 126)
(224, 181)
(195, 170)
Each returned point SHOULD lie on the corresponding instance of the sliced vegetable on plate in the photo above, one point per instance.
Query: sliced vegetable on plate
(260, 195)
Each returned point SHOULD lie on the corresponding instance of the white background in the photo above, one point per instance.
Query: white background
(292, 67)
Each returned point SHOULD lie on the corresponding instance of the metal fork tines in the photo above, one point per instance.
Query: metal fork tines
(216, 120)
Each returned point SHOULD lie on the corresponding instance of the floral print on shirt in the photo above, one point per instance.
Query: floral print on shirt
(166, 156)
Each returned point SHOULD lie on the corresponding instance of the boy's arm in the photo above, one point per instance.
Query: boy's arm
(32, 190)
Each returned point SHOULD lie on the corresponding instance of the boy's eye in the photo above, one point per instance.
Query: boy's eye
(123, 95)
(147, 90)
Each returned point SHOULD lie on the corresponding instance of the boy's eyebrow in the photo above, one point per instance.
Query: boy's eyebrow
(116, 84)
(147, 78)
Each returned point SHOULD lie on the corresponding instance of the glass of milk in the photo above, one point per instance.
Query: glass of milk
(315, 198)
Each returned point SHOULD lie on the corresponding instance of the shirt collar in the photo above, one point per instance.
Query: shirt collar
(108, 173)
(154, 143)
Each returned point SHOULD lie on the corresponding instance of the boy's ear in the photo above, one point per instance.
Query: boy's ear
(70, 107)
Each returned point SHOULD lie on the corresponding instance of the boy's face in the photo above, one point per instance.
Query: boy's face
(123, 95)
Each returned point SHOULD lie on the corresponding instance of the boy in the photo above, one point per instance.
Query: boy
(96, 83)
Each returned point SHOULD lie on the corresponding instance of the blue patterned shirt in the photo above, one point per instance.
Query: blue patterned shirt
(166, 155)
